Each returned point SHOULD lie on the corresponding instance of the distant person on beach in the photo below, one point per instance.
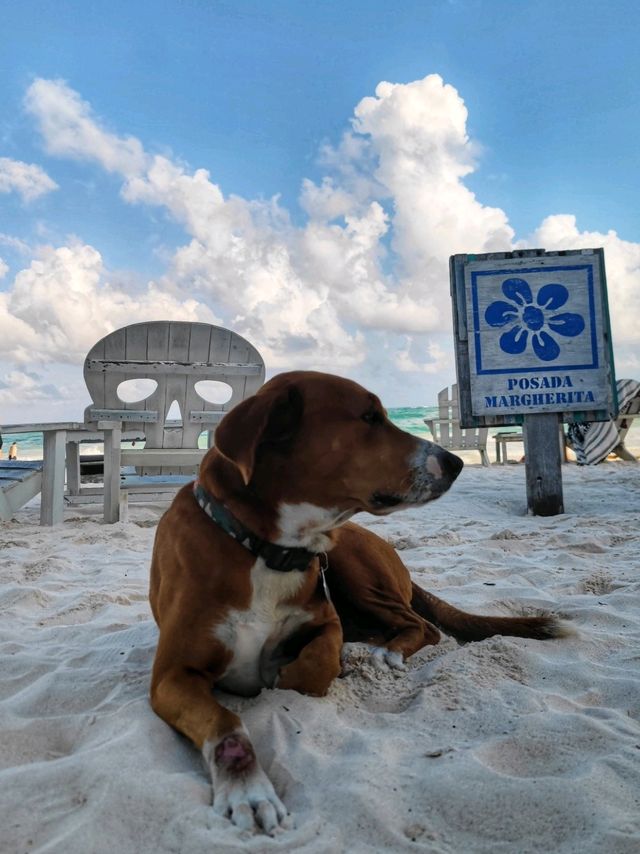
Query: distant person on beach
(13, 451)
(0, 444)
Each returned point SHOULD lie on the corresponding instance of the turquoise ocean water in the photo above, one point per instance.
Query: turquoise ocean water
(410, 418)
(407, 418)
(29, 445)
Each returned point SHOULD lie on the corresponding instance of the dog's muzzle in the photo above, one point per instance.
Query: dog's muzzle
(433, 470)
(451, 464)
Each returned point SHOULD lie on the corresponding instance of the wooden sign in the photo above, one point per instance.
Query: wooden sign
(533, 338)
(532, 335)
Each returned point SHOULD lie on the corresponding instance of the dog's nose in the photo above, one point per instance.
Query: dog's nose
(451, 465)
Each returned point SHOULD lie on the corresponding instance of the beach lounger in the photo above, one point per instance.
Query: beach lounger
(448, 433)
(19, 483)
(592, 442)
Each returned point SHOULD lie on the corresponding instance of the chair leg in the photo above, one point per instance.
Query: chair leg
(123, 505)
(112, 439)
(484, 456)
(6, 511)
(73, 468)
(52, 498)
(621, 451)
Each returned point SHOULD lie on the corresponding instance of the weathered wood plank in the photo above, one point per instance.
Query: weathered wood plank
(112, 439)
(43, 426)
(147, 416)
(543, 464)
(19, 483)
(144, 367)
(72, 451)
(52, 501)
(171, 458)
(206, 417)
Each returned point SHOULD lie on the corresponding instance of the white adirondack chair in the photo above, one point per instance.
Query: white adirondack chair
(446, 430)
(177, 356)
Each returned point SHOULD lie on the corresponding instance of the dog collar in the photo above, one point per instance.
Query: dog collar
(280, 558)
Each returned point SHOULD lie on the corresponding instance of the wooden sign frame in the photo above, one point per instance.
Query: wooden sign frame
(533, 348)
(581, 388)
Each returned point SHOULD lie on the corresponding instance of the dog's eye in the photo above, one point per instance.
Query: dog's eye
(372, 417)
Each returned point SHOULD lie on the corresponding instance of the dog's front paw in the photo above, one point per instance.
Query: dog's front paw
(251, 803)
(242, 792)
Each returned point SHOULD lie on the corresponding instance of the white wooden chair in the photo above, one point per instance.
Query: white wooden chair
(446, 430)
(177, 356)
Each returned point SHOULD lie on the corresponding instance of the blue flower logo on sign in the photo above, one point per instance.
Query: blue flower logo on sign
(538, 320)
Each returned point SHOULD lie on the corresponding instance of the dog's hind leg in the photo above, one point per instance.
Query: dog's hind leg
(399, 631)
(318, 662)
(371, 588)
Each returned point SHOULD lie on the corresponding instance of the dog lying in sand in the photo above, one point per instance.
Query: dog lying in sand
(258, 577)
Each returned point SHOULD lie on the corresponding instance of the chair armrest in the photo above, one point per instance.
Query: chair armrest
(162, 456)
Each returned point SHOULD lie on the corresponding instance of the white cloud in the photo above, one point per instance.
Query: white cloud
(327, 201)
(26, 179)
(14, 243)
(69, 129)
(193, 200)
(63, 303)
(430, 359)
(25, 387)
(408, 144)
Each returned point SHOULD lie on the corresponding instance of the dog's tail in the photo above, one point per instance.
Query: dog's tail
(474, 627)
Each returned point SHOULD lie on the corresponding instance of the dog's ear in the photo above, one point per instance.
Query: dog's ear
(267, 418)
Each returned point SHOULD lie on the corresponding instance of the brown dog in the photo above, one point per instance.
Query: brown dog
(236, 582)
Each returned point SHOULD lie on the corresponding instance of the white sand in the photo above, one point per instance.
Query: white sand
(502, 746)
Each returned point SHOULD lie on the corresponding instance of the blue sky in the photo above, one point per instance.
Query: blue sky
(535, 117)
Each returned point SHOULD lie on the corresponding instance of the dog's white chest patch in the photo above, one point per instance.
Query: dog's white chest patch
(307, 524)
(255, 635)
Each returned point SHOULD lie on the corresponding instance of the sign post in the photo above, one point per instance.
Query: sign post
(533, 347)
(543, 464)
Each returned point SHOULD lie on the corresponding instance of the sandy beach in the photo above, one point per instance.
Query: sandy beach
(507, 745)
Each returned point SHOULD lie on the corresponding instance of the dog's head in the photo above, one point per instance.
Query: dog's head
(319, 440)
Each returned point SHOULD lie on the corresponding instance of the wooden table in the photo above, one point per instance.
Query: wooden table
(502, 439)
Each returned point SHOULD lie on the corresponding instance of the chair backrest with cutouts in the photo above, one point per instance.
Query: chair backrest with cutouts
(178, 357)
